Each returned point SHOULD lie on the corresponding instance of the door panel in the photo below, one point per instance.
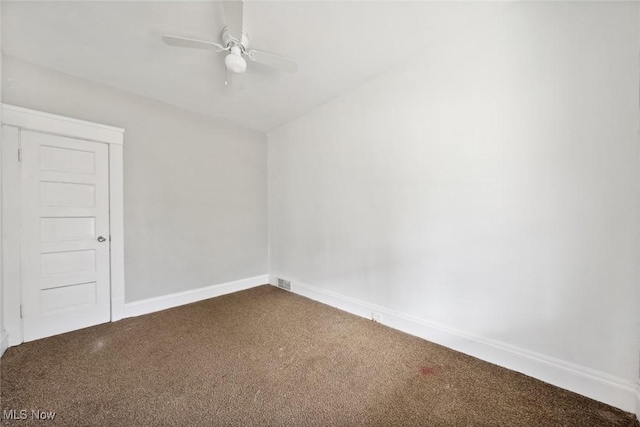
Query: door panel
(61, 229)
(66, 160)
(65, 207)
(65, 194)
(69, 297)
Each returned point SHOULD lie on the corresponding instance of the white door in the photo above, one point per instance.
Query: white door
(65, 234)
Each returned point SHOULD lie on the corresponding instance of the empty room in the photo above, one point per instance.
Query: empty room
(320, 213)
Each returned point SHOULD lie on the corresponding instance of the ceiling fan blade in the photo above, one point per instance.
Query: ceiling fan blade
(192, 43)
(233, 13)
(218, 18)
(234, 81)
(286, 64)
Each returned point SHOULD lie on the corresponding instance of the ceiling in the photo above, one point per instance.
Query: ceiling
(338, 45)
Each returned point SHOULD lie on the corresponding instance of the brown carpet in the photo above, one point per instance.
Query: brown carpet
(268, 357)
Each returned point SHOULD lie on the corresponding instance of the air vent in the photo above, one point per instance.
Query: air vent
(284, 284)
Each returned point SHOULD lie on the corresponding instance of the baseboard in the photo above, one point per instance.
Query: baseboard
(4, 342)
(164, 302)
(596, 385)
(117, 308)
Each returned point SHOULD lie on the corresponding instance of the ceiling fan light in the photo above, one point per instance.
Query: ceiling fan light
(235, 62)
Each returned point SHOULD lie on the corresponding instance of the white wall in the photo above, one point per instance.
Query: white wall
(194, 187)
(3, 339)
(490, 185)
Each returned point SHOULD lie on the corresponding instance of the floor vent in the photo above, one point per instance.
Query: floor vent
(284, 284)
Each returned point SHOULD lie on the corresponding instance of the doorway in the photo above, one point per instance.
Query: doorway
(62, 193)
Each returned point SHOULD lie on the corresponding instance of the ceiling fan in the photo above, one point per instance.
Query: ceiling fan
(235, 41)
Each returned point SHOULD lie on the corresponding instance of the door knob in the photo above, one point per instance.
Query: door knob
(102, 239)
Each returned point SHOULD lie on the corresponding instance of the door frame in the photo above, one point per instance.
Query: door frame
(14, 120)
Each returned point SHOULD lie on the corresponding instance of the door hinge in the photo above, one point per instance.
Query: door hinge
(21, 314)
(20, 155)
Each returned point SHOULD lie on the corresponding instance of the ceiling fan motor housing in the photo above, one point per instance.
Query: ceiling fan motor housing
(228, 40)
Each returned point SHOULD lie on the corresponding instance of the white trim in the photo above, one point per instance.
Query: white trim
(116, 228)
(16, 111)
(164, 302)
(26, 118)
(11, 233)
(4, 342)
(51, 123)
(596, 385)
(17, 118)
(638, 402)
